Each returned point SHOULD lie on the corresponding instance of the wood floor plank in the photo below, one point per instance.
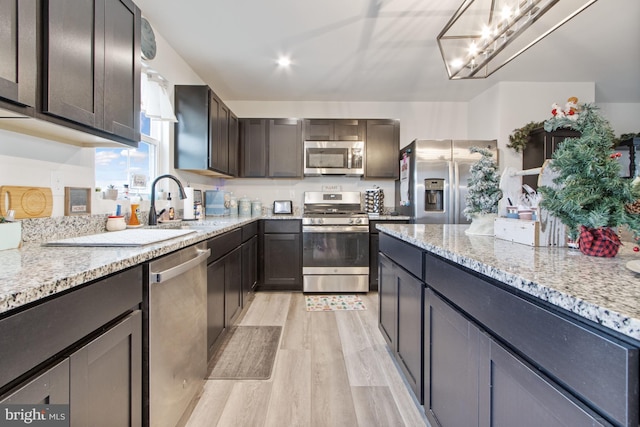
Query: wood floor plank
(375, 407)
(211, 404)
(296, 334)
(267, 309)
(290, 402)
(363, 370)
(247, 404)
(331, 401)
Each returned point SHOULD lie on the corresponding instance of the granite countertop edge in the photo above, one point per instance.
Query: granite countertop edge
(34, 272)
(601, 305)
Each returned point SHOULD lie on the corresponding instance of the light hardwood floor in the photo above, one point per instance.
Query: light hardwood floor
(332, 369)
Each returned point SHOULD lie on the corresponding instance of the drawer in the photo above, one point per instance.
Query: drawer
(282, 226)
(600, 368)
(249, 230)
(402, 253)
(223, 244)
(32, 336)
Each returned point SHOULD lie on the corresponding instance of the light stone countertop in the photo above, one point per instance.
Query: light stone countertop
(601, 290)
(33, 272)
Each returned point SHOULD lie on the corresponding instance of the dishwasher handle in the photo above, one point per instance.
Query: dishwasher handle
(170, 273)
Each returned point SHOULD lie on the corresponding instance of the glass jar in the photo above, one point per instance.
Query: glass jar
(233, 206)
(256, 208)
(244, 206)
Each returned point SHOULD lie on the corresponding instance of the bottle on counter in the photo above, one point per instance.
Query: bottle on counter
(256, 208)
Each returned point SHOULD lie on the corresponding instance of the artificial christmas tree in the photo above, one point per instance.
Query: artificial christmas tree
(591, 196)
(483, 193)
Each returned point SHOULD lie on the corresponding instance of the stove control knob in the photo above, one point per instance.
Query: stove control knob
(319, 221)
(357, 221)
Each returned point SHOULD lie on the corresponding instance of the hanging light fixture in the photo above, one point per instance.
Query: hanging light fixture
(484, 35)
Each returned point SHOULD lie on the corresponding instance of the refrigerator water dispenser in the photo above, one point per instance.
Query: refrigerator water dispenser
(433, 194)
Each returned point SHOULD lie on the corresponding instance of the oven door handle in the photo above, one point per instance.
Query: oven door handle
(335, 229)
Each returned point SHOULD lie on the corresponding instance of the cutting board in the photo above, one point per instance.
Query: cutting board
(28, 202)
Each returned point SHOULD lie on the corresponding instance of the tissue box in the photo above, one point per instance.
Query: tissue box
(10, 235)
(517, 230)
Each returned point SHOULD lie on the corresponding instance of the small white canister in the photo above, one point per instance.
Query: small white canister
(244, 206)
(256, 208)
(116, 223)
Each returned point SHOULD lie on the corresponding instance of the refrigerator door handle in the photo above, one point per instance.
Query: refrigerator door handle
(458, 202)
(451, 219)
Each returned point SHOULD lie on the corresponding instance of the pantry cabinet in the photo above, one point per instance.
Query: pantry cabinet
(91, 74)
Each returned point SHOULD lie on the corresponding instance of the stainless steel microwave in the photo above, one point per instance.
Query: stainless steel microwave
(334, 158)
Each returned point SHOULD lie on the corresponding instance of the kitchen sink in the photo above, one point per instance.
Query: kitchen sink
(131, 237)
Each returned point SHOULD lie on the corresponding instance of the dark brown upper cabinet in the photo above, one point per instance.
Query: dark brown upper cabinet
(334, 130)
(271, 148)
(18, 50)
(91, 73)
(285, 148)
(234, 145)
(206, 132)
(381, 149)
(539, 148)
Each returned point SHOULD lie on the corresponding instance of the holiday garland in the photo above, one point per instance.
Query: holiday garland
(519, 139)
(483, 185)
(590, 191)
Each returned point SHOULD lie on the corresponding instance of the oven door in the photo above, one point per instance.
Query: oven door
(335, 258)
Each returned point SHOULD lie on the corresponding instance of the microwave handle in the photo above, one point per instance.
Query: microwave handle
(349, 157)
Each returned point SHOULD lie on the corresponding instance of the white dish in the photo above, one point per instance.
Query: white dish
(633, 266)
(135, 226)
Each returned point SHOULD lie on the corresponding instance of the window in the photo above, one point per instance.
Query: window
(130, 166)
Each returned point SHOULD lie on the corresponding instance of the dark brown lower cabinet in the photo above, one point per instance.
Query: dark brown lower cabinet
(281, 255)
(106, 376)
(400, 300)
(249, 267)
(100, 381)
(472, 380)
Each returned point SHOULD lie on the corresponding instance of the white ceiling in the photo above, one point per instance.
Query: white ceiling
(381, 50)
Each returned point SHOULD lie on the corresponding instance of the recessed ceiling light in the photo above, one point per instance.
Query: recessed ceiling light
(284, 61)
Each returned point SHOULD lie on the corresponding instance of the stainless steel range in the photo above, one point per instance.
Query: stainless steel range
(335, 234)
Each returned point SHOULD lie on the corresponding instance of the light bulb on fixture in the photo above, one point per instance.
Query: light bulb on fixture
(284, 62)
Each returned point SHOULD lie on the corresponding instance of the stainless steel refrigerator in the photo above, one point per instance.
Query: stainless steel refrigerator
(433, 179)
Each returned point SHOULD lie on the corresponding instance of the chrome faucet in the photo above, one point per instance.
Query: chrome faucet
(153, 216)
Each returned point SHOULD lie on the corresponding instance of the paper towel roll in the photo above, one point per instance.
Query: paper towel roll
(189, 201)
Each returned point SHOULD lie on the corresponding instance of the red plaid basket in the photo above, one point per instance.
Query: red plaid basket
(603, 241)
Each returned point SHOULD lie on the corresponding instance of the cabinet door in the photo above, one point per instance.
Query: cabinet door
(253, 148)
(19, 65)
(232, 286)
(381, 149)
(388, 301)
(349, 130)
(50, 387)
(513, 393)
(215, 303)
(373, 261)
(223, 138)
(191, 139)
(249, 267)
(74, 48)
(122, 69)
(234, 145)
(106, 377)
(451, 361)
(318, 130)
(282, 266)
(285, 148)
(214, 131)
(410, 306)
(540, 147)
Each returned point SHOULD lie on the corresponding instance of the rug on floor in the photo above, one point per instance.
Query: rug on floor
(334, 303)
(246, 353)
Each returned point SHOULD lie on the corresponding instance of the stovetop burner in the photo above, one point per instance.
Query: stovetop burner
(342, 208)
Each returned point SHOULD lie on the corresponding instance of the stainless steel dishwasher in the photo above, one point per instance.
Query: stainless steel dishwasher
(177, 333)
